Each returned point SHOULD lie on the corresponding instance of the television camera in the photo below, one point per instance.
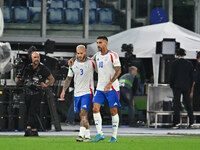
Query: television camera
(128, 57)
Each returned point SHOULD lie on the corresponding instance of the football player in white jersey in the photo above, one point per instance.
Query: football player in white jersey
(109, 69)
(82, 70)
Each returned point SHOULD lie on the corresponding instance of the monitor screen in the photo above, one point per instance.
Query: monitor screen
(168, 47)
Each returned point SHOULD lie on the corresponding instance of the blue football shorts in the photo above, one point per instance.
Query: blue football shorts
(112, 97)
(83, 101)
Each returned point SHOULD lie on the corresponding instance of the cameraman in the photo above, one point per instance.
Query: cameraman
(128, 87)
(33, 78)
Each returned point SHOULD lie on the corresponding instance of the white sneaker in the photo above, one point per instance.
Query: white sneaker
(177, 126)
(87, 140)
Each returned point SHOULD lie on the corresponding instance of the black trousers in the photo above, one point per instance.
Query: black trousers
(177, 105)
(33, 109)
(196, 100)
(126, 96)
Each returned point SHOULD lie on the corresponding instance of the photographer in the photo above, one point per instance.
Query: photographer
(33, 78)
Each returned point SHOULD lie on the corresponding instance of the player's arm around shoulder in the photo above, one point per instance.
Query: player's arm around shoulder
(71, 61)
(93, 64)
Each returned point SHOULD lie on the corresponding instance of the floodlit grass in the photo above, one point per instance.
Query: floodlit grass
(124, 143)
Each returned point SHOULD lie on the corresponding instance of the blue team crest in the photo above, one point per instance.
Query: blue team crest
(75, 67)
(97, 59)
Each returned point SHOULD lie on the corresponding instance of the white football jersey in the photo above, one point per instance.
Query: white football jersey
(83, 77)
(105, 66)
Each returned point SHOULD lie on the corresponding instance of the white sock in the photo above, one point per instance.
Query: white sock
(87, 133)
(82, 131)
(115, 123)
(98, 122)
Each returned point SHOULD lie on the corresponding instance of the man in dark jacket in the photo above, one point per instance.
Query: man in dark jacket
(181, 78)
(128, 87)
(196, 88)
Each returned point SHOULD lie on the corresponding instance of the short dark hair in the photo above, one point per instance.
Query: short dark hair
(198, 54)
(180, 52)
(102, 37)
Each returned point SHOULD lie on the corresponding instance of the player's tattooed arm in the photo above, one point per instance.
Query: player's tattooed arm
(65, 86)
(117, 73)
(67, 83)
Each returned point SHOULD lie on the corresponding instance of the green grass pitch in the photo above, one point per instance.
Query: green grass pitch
(124, 143)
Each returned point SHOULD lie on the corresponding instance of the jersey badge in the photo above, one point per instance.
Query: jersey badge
(86, 66)
(76, 67)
